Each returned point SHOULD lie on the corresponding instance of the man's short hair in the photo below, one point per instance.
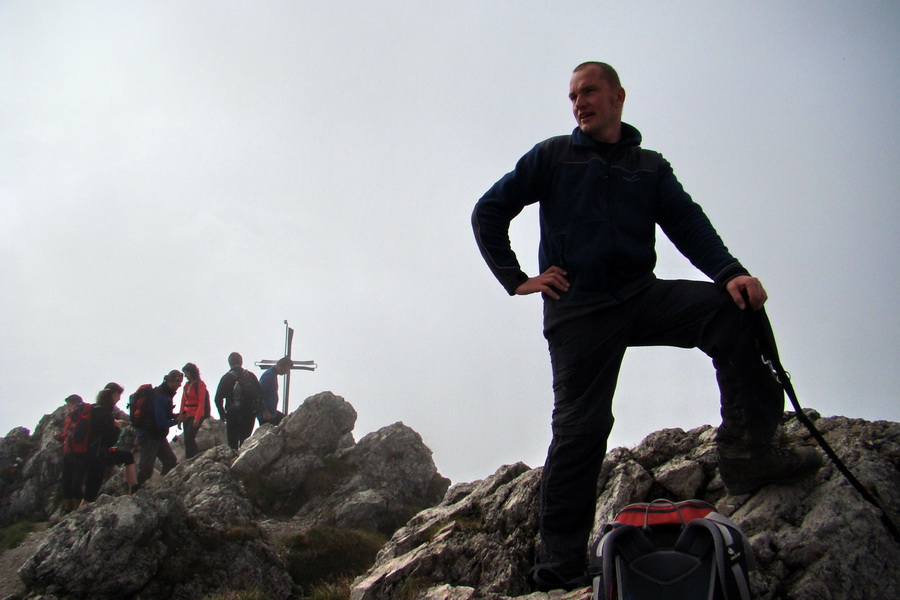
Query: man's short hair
(235, 360)
(606, 71)
(284, 362)
(173, 375)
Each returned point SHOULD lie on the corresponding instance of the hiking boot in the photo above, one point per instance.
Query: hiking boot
(744, 472)
(548, 579)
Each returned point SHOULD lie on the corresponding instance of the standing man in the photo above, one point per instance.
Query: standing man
(268, 383)
(237, 400)
(601, 196)
(153, 438)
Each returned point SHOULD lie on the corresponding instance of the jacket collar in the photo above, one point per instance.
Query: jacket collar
(630, 137)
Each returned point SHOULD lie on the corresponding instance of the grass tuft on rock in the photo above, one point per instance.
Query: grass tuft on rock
(13, 535)
(326, 555)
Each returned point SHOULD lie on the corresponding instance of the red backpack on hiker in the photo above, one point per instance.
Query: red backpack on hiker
(140, 408)
(77, 430)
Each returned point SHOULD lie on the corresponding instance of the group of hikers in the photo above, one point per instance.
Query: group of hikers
(93, 439)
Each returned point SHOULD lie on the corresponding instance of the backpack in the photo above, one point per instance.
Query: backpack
(140, 408)
(246, 392)
(78, 430)
(664, 549)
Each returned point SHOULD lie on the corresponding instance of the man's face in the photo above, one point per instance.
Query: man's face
(596, 105)
(173, 383)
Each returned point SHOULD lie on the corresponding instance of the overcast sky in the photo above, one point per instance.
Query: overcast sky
(178, 178)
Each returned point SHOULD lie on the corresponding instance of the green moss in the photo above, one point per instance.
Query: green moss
(322, 481)
(238, 595)
(411, 588)
(470, 521)
(325, 555)
(264, 497)
(15, 534)
(242, 533)
(337, 590)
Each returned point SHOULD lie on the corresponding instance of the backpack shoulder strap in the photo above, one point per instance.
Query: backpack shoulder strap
(621, 540)
(730, 554)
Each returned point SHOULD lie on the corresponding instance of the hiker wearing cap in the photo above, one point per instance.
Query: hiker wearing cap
(74, 448)
(601, 198)
(194, 408)
(153, 439)
(102, 451)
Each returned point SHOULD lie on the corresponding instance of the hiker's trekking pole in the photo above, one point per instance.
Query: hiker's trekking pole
(768, 353)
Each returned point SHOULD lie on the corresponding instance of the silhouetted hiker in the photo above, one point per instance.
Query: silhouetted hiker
(237, 400)
(153, 439)
(268, 383)
(74, 437)
(105, 430)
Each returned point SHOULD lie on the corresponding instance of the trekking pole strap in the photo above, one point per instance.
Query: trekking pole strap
(765, 339)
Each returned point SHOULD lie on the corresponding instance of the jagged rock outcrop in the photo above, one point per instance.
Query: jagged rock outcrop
(199, 529)
(813, 540)
(323, 478)
(190, 535)
(30, 467)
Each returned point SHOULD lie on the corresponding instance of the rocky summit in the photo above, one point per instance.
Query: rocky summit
(813, 540)
(217, 524)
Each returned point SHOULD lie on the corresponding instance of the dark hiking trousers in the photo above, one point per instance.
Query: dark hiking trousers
(149, 449)
(190, 439)
(586, 354)
(238, 427)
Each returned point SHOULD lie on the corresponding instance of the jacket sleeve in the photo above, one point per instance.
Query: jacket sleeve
(498, 207)
(690, 230)
(162, 412)
(226, 384)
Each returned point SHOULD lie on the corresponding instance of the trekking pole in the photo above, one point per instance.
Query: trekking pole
(765, 341)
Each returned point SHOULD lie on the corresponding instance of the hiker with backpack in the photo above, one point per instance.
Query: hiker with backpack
(601, 198)
(237, 400)
(153, 427)
(104, 435)
(74, 437)
(194, 408)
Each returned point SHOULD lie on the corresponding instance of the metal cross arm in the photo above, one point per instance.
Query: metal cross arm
(296, 365)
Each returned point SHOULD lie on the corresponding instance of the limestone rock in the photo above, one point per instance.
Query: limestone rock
(195, 532)
(187, 535)
(379, 484)
(31, 478)
(813, 539)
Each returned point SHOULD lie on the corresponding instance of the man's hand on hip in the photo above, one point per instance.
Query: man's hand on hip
(550, 282)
